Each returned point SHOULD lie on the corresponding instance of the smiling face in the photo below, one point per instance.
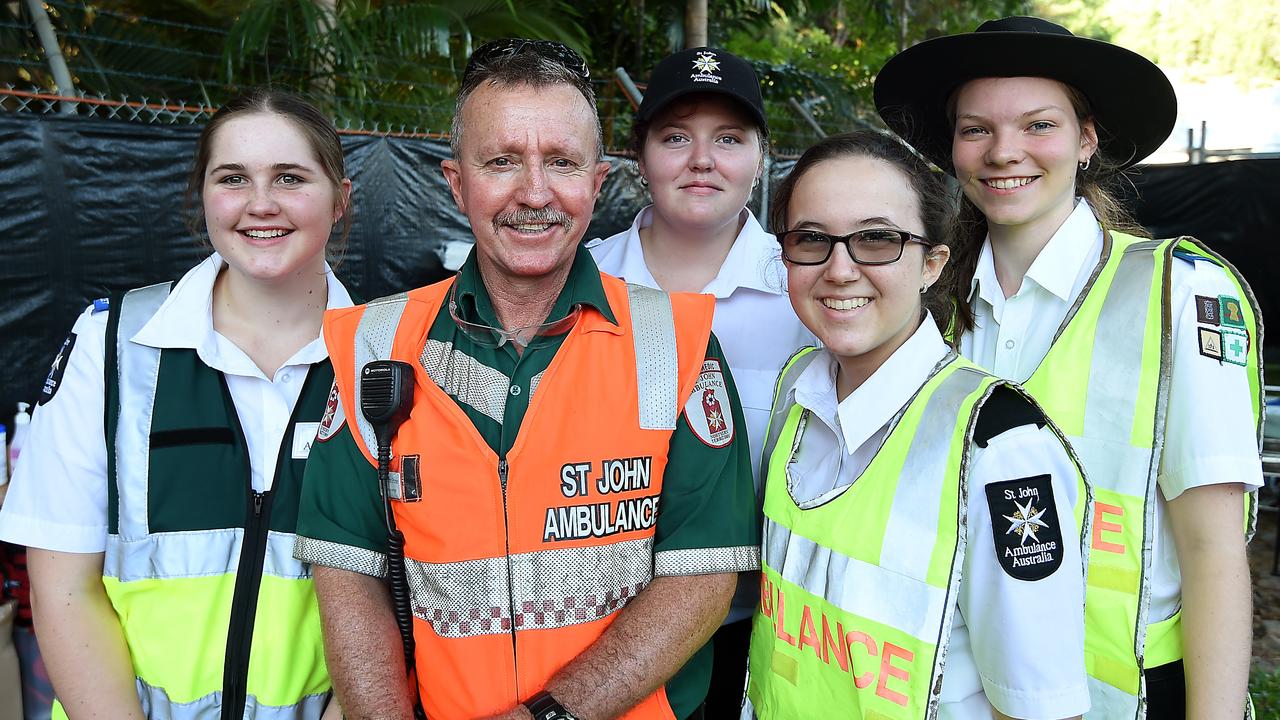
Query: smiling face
(527, 176)
(1016, 148)
(861, 313)
(701, 157)
(268, 205)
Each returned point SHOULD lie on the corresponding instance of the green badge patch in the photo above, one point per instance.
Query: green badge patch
(1235, 346)
(1232, 313)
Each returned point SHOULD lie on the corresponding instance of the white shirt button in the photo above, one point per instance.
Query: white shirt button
(286, 377)
(515, 389)
(1008, 344)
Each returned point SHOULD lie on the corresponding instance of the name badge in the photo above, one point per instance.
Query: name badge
(304, 433)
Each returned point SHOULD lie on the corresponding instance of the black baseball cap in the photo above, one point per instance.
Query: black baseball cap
(703, 70)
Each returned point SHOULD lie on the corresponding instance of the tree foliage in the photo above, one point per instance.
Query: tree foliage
(1240, 38)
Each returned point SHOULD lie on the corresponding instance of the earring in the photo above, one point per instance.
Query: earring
(924, 288)
(1085, 165)
(644, 181)
(755, 183)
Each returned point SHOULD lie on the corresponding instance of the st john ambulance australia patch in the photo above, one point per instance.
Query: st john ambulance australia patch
(334, 418)
(1024, 523)
(53, 380)
(709, 411)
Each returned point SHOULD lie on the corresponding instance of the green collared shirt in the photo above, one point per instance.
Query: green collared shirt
(708, 510)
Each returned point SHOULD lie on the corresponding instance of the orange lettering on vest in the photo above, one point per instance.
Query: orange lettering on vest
(1099, 509)
(857, 636)
(892, 651)
(809, 632)
(829, 643)
(766, 596)
(782, 616)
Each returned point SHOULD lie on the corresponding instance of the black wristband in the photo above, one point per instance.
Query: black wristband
(542, 706)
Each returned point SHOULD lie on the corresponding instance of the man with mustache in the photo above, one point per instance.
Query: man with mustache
(574, 518)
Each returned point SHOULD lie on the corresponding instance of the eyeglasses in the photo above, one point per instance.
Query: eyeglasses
(874, 246)
(548, 49)
(534, 336)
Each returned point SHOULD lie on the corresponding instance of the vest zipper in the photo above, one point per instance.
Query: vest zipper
(511, 589)
(244, 605)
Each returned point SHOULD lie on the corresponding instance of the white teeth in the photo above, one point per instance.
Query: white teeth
(531, 228)
(846, 304)
(1007, 183)
(266, 234)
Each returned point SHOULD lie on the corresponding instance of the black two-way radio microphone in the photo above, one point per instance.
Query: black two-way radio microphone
(386, 397)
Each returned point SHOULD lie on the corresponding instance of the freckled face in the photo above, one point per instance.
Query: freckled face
(701, 157)
(268, 205)
(527, 177)
(861, 313)
(1016, 148)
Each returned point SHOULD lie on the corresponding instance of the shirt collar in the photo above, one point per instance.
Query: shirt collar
(581, 287)
(1055, 268)
(754, 261)
(185, 318)
(867, 409)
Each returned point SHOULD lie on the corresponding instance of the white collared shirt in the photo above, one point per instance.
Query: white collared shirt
(58, 498)
(1015, 645)
(754, 321)
(1209, 432)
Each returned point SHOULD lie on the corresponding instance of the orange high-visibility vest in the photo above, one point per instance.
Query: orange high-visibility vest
(517, 564)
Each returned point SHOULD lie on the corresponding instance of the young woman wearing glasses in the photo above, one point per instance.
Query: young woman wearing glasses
(917, 509)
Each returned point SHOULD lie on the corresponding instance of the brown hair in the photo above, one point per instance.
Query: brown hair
(936, 209)
(314, 126)
(1095, 185)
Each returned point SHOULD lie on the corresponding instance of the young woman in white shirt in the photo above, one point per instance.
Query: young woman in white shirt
(700, 139)
(1145, 352)
(924, 524)
(163, 582)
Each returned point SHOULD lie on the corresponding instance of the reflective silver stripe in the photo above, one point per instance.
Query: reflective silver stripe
(778, 415)
(138, 369)
(375, 335)
(705, 561)
(913, 518)
(157, 705)
(1114, 378)
(468, 380)
(195, 553)
(552, 588)
(653, 331)
(343, 557)
(876, 593)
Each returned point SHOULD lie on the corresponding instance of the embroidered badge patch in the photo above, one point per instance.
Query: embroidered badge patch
(333, 418)
(1211, 343)
(705, 67)
(1232, 313)
(53, 380)
(1208, 310)
(709, 410)
(1235, 346)
(1024, 523)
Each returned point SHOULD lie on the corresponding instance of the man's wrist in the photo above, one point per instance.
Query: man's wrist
(544, 706)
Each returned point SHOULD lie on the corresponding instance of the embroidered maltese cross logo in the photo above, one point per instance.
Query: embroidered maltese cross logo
(1024, 522)
(715, 414)
(706, 63)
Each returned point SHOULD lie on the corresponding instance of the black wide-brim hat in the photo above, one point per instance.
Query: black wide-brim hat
(1132, 102)
(703, 70)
